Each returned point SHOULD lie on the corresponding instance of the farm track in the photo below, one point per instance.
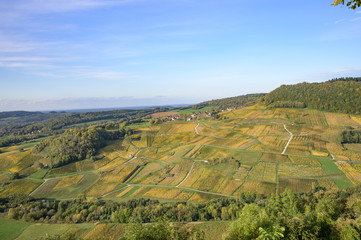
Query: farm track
(288, 143)
(196, 129)
(190, 170)
(45, 180)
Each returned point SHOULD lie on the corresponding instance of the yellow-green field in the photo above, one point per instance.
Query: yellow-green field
(251, 150)
(11, 229)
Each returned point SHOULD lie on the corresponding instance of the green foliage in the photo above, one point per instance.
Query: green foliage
(76, 144)
(338, 95)
(275, 234)
(287, 104)
(14, 176)
(353, 4)
(249, 99)
(55, 123)
(315, 215)
(133, 211)
(161, 230)
(351, 136)
(247, 225)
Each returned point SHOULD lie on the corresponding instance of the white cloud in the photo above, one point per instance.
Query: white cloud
(355, 19)
(338, 21)
(54, 6)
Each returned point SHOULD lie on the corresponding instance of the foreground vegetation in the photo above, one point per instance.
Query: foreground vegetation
(318, 214)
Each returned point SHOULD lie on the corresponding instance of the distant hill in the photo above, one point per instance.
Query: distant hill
(337, 95)
(223, 103)
(14, 114)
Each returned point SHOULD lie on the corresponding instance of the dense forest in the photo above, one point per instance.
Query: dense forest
(78, 143)
(346, 79)
(223, 103)
(337, 95)
(319, 214)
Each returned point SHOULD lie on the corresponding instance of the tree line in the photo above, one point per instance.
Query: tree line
(319, 214)
(338, 95)
(223, 103)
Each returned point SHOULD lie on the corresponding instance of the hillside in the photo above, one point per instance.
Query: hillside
(338, 95)
(250, 150)
(223, 103)
(207, 170)
(144, 166)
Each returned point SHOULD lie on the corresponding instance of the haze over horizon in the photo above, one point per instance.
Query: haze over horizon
(102, 54)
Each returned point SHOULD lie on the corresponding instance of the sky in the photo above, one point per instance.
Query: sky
(61, 54)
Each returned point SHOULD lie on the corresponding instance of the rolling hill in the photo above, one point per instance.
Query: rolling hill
(338, 95)
(220, 163)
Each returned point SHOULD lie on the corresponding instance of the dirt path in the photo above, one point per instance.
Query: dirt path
(190, 170)
(288, 143)
(45, 180)
(196, 130)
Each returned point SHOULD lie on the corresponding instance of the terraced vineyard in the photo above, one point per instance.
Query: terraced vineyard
(251, 150)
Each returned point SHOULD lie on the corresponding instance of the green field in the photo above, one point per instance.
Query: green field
(11, 230)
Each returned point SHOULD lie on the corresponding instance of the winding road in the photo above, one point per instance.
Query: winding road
(196, 130)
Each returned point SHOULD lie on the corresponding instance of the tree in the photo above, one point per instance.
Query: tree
(275, 234)
(353, 4)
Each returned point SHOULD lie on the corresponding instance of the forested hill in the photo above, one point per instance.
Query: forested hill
(17, 114)
(337, 95)
(223, 103)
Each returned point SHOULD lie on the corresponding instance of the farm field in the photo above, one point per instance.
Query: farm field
(19, 230)
(251, 150)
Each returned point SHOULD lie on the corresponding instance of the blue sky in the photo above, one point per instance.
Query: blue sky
(60, 54)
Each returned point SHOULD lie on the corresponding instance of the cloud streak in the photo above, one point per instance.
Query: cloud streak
(55, 6)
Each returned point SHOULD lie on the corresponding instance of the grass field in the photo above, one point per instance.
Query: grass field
(49, 189)
(19, 186)
(330, 167)
(11, 229)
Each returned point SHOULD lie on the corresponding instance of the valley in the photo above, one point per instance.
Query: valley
(251, 149)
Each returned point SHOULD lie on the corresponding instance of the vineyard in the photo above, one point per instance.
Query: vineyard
(251, 150)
